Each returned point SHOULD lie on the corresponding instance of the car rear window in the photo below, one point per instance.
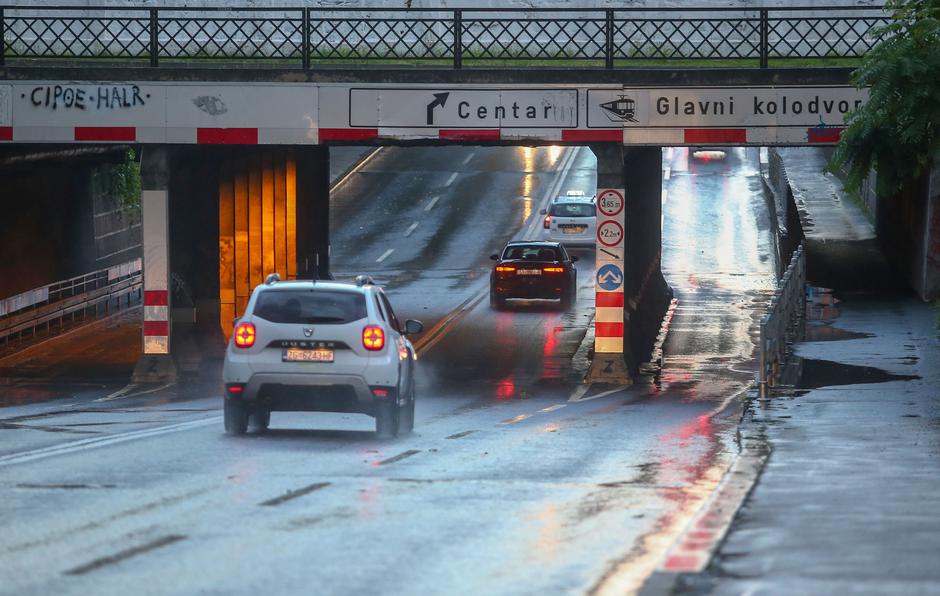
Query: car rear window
(527, 252)
(330, 307)
(573, 210)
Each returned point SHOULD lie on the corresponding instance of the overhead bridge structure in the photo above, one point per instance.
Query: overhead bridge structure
(236, 108)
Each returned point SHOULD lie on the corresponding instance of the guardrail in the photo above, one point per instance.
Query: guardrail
(780, 326)
(490, 36)
(25, 314)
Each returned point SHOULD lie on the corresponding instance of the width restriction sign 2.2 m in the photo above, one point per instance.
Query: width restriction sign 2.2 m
(610, 233)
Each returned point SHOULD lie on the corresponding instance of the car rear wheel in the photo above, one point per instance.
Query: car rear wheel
(236, 417)
(407, 423)
(387, 419)
(259, 420)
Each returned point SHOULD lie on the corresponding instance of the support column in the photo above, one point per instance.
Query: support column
(156, 364)
(612, 355)
(313, 212)
(646, 294)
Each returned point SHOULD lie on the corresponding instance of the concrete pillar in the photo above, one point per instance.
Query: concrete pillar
(647, 296)
(928, 284)
(611, 363)
(313, 212)
(156, 364)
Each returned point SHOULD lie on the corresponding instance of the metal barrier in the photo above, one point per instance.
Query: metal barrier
(25, 314)
(490, 36)
(780, 326)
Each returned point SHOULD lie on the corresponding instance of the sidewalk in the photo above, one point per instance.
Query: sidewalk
(849, 501)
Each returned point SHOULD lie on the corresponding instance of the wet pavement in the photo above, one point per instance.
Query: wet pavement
(848, 501)
(517, 479)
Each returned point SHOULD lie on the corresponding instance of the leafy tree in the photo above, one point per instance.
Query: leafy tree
(897, 131)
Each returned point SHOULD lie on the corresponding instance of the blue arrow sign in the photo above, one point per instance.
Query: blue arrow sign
(609, 278)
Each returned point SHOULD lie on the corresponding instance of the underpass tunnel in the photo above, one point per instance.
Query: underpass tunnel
(216, 222)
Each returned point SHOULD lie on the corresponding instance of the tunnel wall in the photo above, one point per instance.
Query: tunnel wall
(61, 221)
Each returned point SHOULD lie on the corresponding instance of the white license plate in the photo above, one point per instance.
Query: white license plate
(301, 355)
(529, 272)
(574, 229)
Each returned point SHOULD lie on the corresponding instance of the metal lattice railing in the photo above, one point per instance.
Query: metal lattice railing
(302, 36)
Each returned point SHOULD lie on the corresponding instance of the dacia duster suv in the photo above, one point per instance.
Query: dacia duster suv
(321, 347)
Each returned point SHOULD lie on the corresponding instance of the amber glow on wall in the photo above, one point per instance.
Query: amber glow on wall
(257, 227)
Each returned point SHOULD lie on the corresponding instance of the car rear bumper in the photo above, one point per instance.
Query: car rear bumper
(308, 392)
(543, 289)
(569, 239)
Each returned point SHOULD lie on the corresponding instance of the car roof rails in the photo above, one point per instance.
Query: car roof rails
(272, 279)
(364, 280)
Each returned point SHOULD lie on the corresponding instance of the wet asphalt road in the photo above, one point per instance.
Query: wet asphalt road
(516, 479)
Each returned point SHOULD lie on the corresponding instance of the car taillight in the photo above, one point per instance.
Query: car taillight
(245, 335)
(373, 338)
(505, 269)
(547, 222)
(553, 269)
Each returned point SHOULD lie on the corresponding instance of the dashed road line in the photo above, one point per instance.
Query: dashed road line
(451, 179)
(516, 419)
(399, 457)
(580, 394)
(411, 229)
(293, 494)
(467, 159)
(460, 435)
(125, 554)
(431, 203)
(385, 255)
(553, 408)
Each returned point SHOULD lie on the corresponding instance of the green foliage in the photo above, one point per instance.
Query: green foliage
(124, 181)
(897, 131)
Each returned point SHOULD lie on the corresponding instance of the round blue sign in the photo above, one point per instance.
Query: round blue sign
(609, 278)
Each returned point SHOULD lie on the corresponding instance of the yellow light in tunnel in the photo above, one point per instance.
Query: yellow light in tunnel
(554, 152)
(528, 159)
(526, 208)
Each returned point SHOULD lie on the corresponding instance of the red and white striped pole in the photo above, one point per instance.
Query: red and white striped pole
(156, 272)
(609, 365)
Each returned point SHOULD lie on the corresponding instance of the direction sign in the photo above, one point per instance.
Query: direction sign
(610, 233)
(610, 202)
(609, 278)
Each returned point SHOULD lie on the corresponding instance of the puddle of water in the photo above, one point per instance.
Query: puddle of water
(825, 332)
(825, 373)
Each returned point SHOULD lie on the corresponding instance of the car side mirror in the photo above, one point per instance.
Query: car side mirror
(413, 327)
(494, 257)
(575, 259)
(544, 211)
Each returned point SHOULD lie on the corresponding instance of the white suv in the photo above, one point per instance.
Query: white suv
(571, 220)
(322, 347)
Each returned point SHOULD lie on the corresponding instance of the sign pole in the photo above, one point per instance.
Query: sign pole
(608, 365)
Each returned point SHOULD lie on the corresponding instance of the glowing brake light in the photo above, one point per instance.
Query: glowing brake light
(553, 269)
(245, 335)
(547, 222)
(373, 338)
(505, 269)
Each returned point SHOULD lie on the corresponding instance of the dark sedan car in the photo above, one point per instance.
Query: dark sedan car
(533, 270)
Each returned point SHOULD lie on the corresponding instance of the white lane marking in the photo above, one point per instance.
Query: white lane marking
(432, 203)
(516, 419)
(667, 173)
(580, 391)
(665, 195)
(467, 159)
(451, 179)
(355, 169)
(553, 408)
(581, 397)
(94, 443)
(123, 393)
(411, 229)
(385, 255)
